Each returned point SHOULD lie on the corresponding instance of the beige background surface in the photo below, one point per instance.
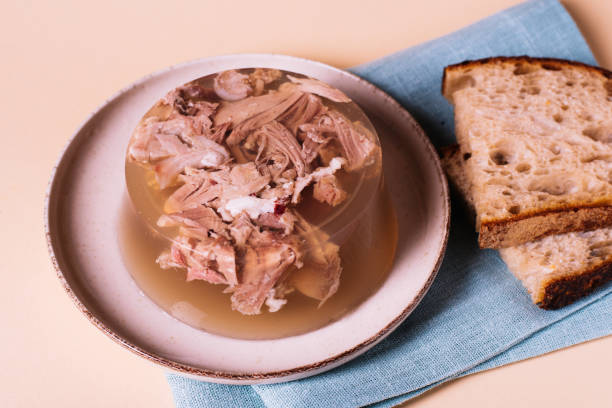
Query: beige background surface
(62, 59)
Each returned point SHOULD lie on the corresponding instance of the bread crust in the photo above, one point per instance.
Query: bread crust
(560, 292)
(545, 63)
(536, 225)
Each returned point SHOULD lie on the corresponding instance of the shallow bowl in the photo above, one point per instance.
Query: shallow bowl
(87, 189)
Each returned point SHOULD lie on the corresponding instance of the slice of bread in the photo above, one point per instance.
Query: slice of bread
(556, 270)
(537, 138)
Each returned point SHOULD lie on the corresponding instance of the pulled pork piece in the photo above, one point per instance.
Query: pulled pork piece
(247, 179)
(288, 175)
(232, 85)
(155, 139)
(357, 145)
(173, 258)
(198, 222)
(220, 256)
(239, 193)
(241, 229)
(302, 111)
(314, 86)
(315, 136)
(189, 100)
(319, 277)
(262, 267)
(181, 140)
(209, 259)
(273, 139)
(218, 134)
(311, 147)
(198, 188)
(208, 154)
(328, 190)
(255, 122)
(329, 151)
(275, 163)
(262, 77)
(199, 123)
(302, 182)
(239, 111)
(318, 126)
(281, 194)
(228, 190)
(279, 219)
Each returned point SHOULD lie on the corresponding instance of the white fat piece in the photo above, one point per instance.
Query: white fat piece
(335, 164)
(212, 159)
(253, 206)
(301, 183)
(274, 304)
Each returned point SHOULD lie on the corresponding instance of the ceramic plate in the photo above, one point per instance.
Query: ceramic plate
(82, 213)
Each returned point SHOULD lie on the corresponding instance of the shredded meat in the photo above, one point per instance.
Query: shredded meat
(319, 278)
(198, 222)
(213, 155)
(330, 151)
(280, 194)
(357, 146)
(302, 111)
(209, 259)
(219, 255)
(198, 188)
(283, 222)
(314, 86)
(172, 258)
(202, 187)
(239, 111)
(262, 267)
(259, 120)
(238, 158)
(218, 134)
(317, 138)
(310, 149)
(247, 179)
(192, 100)
(328, 190)
(241, 229)
(302, 182)
(155, 140)
(275, 139)
(184, 139)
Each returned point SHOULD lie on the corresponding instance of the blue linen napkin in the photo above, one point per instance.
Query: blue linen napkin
(476, 316)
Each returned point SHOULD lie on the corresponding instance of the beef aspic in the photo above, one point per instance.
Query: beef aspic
(235, 160)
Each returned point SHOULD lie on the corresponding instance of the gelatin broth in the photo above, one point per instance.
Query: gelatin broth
(364, 226)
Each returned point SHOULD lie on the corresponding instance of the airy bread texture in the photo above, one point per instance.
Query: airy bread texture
(555, 270)
(537, 138)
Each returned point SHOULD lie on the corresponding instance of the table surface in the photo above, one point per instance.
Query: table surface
(62, 59)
